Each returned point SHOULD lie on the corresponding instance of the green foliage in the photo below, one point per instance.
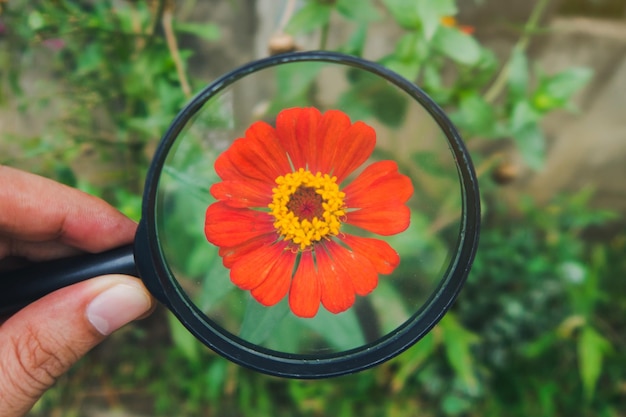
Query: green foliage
(313, 15)
(119, 79)
(536, 329)
(433, 45)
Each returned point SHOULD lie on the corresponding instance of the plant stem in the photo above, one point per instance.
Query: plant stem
(158, 15)
(287, 13)
(531, 25)
(172, 45)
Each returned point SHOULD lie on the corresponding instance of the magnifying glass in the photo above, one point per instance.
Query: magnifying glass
(307, 215)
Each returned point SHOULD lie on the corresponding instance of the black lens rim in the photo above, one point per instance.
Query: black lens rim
(158, 277)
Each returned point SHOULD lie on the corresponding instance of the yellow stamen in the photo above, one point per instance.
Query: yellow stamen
(305, 232)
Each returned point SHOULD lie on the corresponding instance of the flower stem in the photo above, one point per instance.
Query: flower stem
(531, 25)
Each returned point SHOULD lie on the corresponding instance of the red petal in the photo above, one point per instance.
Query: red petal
(332, 127)
(288, 134)
(305, 293)
(226, 169)
(230, 255)
(266, 151)
(243, 193)
(258, 156)
(355, 266)
(228, 226)
(336, 286)
(394, 187)
(277, 283)
(236, 164)
(352, 149)
(384, 258)
(384, 219)
(378, 181)
(307, 133)
(251, 270)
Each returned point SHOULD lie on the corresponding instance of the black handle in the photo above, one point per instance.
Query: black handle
(23, 286)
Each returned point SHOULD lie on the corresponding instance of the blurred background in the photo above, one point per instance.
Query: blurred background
(536, 88)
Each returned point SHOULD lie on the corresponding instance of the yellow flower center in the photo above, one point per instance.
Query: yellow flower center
(307, 207)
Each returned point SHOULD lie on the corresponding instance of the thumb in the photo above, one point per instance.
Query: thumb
(42, 341)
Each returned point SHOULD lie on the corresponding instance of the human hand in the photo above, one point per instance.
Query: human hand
(39, 220)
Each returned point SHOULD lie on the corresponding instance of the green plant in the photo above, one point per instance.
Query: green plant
(535, 331)
(119, 81)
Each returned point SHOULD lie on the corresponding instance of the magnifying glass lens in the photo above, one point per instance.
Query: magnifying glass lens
(310, 208)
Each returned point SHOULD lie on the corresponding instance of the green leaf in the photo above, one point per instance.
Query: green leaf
(405, 60)
(404, 12)
(312, 16)
(522, 115)
(216, 376)
(518, 74)
(183, 339)
(65, 175)
(373, 96)
(342, 331)
(36, 20)
(429, 17)
(390, 305)
(457, 344)
(260, 321)
(539, 345)
(294, 83)
(454, 404)
(128, 203)
(592, 348)
(433, 84)
(457, 45)
(407, 47)
(528, 135)
(431, 12)
(531, 143)
(362, 11)
(207, 31)
(557, 90)
(91, 59)
(412, 360)
(356, 42)
(216, 283)
(475, 115)
(430, 162)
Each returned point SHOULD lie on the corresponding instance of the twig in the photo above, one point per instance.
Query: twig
(140, 41)
(531, 25)
(158, 15)
(290, 7)
(172, 45)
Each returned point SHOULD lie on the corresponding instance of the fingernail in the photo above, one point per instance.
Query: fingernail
(116, 307)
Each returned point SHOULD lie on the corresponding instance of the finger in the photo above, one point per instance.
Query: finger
(41, 342)
(34, 251)
(33, 208)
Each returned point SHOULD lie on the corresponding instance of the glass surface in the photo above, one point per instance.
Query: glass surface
(406, 133)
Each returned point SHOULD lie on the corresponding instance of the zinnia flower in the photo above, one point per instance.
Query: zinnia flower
(282, 204)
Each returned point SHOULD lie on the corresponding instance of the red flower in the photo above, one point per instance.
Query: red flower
(280, 210)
